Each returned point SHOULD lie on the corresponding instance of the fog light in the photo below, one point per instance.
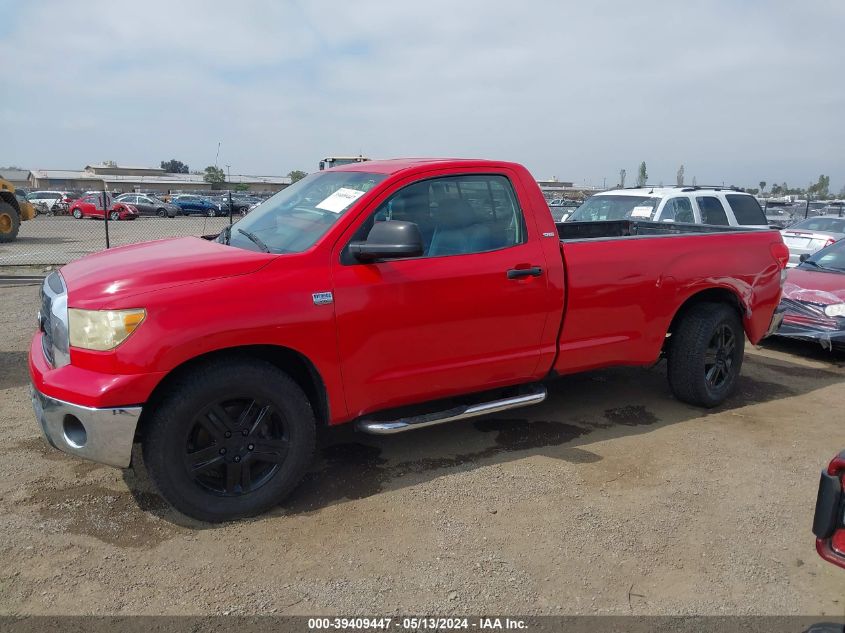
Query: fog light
(74, 432)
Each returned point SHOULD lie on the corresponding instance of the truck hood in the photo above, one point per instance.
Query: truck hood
(96, 280)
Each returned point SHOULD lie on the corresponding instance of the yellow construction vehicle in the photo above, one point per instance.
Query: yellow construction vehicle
(13, 210)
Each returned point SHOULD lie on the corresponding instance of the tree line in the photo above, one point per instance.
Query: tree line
(819, 190)
(214, 174)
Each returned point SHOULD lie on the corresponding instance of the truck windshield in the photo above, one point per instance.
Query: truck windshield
(296, 217)
(600, 208)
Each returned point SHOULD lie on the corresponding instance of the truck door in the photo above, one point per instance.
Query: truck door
(467, 315)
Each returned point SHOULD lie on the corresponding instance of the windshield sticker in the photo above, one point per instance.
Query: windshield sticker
(340, 199)
(641, 212)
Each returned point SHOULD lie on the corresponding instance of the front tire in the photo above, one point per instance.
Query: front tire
(114, 216)
(212, 213)
(77, 213)
(162, 213)
(229, 440)
(705, 355)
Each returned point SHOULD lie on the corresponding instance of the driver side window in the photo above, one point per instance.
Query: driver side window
(456, 215)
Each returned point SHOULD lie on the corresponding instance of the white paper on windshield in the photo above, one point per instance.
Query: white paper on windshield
(340, 199)
(641, 212)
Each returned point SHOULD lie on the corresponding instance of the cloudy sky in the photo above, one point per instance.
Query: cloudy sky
(737, 90)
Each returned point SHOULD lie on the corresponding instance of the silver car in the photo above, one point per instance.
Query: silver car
(811, 235)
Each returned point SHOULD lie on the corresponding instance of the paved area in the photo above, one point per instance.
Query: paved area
(611, 497)
(49, 240)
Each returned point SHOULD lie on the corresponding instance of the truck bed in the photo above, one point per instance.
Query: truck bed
(568, 231)
(625, 282)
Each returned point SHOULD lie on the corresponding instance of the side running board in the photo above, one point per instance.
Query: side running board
(532, 394)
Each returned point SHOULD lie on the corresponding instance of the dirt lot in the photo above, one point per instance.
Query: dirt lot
(611, 497)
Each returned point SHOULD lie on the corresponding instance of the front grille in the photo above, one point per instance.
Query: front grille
(46, 324)
(810, 315)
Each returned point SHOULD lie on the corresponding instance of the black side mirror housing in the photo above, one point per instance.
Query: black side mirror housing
(804, 257)
(389, 240)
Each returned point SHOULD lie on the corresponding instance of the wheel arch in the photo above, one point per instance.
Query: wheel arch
(710, 295)
(301, 370)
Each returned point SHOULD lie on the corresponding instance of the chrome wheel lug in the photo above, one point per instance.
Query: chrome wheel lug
(237, 459)
(227, 434)
(251, 446)
(222, 451)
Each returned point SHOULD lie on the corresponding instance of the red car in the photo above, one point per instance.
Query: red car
(390, 294)
(829, 520)
(813, 302)
(91, 206)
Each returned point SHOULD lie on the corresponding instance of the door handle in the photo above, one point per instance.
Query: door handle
(516, 273)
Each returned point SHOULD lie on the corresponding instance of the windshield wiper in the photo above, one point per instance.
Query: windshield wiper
(255, 240)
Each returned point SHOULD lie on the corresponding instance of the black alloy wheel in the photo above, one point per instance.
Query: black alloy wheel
(236, 445)
(719, 357)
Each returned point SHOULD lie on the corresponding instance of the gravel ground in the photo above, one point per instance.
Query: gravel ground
(610, 498)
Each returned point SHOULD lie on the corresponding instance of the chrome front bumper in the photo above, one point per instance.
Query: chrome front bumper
(101, 435)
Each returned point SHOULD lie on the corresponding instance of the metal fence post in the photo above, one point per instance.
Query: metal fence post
(105, 213)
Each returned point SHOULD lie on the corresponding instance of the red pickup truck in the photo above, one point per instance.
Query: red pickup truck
(396, 294)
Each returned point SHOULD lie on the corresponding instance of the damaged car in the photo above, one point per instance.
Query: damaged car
(813, 301)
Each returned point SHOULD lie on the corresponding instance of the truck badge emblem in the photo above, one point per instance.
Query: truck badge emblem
(322, 298)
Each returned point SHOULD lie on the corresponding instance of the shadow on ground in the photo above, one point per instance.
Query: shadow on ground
(580, 410)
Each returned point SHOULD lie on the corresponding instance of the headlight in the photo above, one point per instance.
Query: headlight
(102, 329)
(835, 310)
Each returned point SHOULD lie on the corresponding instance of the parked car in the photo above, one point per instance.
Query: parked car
(829, 518)
(239, 205)
(92, 206)
(813, 302)
(51, 202)
(699, 205)
(147, 204)
(190, 204)
(390, 294)
(811, 235)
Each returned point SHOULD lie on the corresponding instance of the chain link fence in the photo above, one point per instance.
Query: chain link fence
(66, 232)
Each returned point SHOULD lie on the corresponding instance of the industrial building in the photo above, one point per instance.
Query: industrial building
(122, 179)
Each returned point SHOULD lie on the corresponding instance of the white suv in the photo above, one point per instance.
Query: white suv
(697, 205)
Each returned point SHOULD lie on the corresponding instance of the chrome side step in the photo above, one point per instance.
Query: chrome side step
(533, 394)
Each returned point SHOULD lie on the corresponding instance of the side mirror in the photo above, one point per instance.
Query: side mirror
(389, 240)
(804, 257)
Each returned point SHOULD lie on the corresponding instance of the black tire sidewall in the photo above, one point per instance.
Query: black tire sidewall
(164, 444)
(8, 209)
(686, 359)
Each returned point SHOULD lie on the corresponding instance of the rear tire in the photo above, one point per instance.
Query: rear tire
(10, 222)
(162, 213)
(705, 355)
(199, 452)
(114, 216)
(212, 213)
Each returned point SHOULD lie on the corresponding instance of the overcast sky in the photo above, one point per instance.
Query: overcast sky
(738, 91)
